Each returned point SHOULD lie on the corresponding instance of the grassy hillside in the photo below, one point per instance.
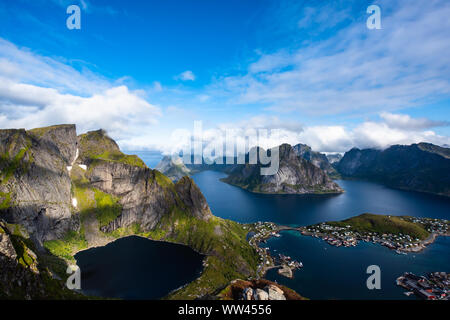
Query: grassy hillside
(181, 211)
(29, 275)
(228, 255)
(96, 145)
(383, 224)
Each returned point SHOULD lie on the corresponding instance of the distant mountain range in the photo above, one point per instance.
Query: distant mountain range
(295, 175)
(420, 167)
(301, 171)
(316, 158)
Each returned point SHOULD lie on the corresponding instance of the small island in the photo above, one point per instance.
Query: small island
(401, 233)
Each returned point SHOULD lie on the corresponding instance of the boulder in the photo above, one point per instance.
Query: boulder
(261, 295)
(247, 294)
(275, 293)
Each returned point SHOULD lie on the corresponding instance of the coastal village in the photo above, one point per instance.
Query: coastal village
(433, 286)
(402, 243)
(286, 266)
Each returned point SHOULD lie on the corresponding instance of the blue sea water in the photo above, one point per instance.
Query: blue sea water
(234, 203)
(334, 272)
(134, 268)
(340, 273)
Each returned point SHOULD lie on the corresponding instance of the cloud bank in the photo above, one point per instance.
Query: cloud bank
(39, 91)
(328, 138)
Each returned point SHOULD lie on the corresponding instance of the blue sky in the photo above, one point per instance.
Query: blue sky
(142, 69)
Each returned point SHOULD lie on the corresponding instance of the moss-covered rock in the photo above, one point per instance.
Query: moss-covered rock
(25, 272)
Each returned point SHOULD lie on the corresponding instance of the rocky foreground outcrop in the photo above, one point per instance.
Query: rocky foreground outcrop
(258, 290)
(22, 276)
(295, 175)
(420, 167)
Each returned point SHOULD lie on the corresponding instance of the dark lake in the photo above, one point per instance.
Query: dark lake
(334, 272)
(137, 268)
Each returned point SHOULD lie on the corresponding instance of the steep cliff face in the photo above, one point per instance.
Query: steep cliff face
(35, 187)
(22, 276)
(420, 167)
(144, 195)
(191, 197)
(295, 175)
(46, 173)
(70, 193)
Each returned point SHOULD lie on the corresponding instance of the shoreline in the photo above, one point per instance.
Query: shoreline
(204, 259)
(283, 193)
(422, 245)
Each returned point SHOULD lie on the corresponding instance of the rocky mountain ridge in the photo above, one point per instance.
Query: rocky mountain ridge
(295, 175)
(316, 158)
(70, 193)
(302, 171)
(420, 167)
(35, 186)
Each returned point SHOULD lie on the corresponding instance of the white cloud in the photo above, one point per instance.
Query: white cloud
(380, 135)
(404, 121)
(23, 66)
(38, 91)
(368, 134)
(327, 138)
(186, 76)
(157, 86)
(323, 138)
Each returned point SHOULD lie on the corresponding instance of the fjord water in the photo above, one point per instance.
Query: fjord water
(137, 268)
(334, 272)
(340, 273)
(234, 203)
